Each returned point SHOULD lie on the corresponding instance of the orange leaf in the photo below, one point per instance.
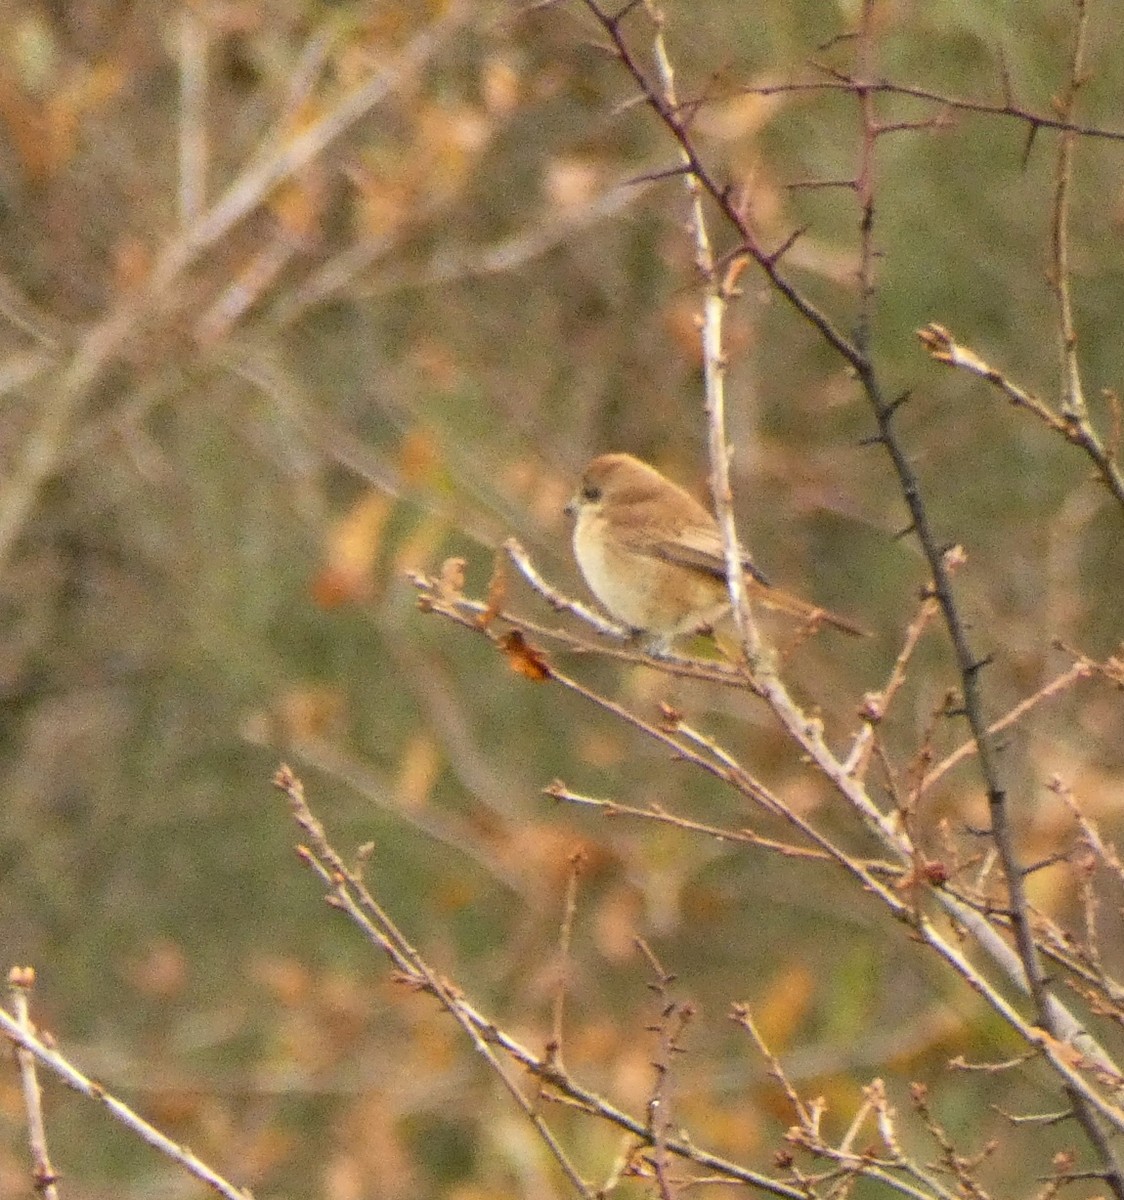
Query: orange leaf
(419, 456)
(500, 86)
(382, 203)
(132, 263)
(779, 1012)
(353, 546)
(418, 771)
(309, 711)
(299, 204)
(523, 658)
(83, 94)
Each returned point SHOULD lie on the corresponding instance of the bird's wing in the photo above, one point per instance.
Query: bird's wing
(701, 549)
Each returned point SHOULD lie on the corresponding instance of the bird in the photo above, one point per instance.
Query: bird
(653, 555)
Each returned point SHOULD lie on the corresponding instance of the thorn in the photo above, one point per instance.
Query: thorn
(904, 533)
(1031, 135)
(976, 667)
(977, 831)
(898, 401)
(786, 245)
(1050, 860)
(656, 176)
(606, 48)
(1005, 80)
(874, 439)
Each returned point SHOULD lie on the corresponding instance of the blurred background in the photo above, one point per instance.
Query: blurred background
(219, 459)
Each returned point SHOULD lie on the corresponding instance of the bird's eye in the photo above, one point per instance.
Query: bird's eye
(590, 491)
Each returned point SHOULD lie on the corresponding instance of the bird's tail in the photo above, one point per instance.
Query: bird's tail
(793, 606)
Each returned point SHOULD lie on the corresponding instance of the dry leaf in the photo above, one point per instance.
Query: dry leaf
(499, 86)
(450, 583)
(382, 203)
(523, 658)
(419, 457)
(497, 591)
(84, 94)
(132, 263)
(299, 205)
(162, 973)
(418, 771)
(353, 546)
(783, 1007)
(572, 182)
(309, 711)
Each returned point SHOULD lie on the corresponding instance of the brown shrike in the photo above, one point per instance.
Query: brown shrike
(653, 555)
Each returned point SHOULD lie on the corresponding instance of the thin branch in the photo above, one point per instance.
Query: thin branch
(565, 945)
(12, 1027)
(350, 895)
(876, 705)
(864, 183)
(710, 670)
(192, 115)
(716, 295)
(1074, 408)
(1076, 429)
(1065, 1029)
(969, 666)
(719, 193)
(1082, 669)
(278, 159)
(20, 982)
(840, 81)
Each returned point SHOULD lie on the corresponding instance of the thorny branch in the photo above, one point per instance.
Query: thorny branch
(855, 353)
(1072, 422)
(1051, 1016)
(435, 596)
(349, 893)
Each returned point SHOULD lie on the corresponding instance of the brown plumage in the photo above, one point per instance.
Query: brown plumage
(653, 556)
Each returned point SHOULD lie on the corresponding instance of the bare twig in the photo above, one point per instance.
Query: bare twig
(723, 197)
(841, 81)
(1082, 669)
(715, 298)
(809, 735)
(1073, 406)
(278, 159)
(20, 982)
(1071, 424)
(876, 705)
(58, 1065)
(565, 944)
(959, 1166)
(670, 1024)
(192, 115)
(350, 895)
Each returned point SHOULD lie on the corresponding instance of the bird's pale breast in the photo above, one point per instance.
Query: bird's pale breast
(643, 591)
